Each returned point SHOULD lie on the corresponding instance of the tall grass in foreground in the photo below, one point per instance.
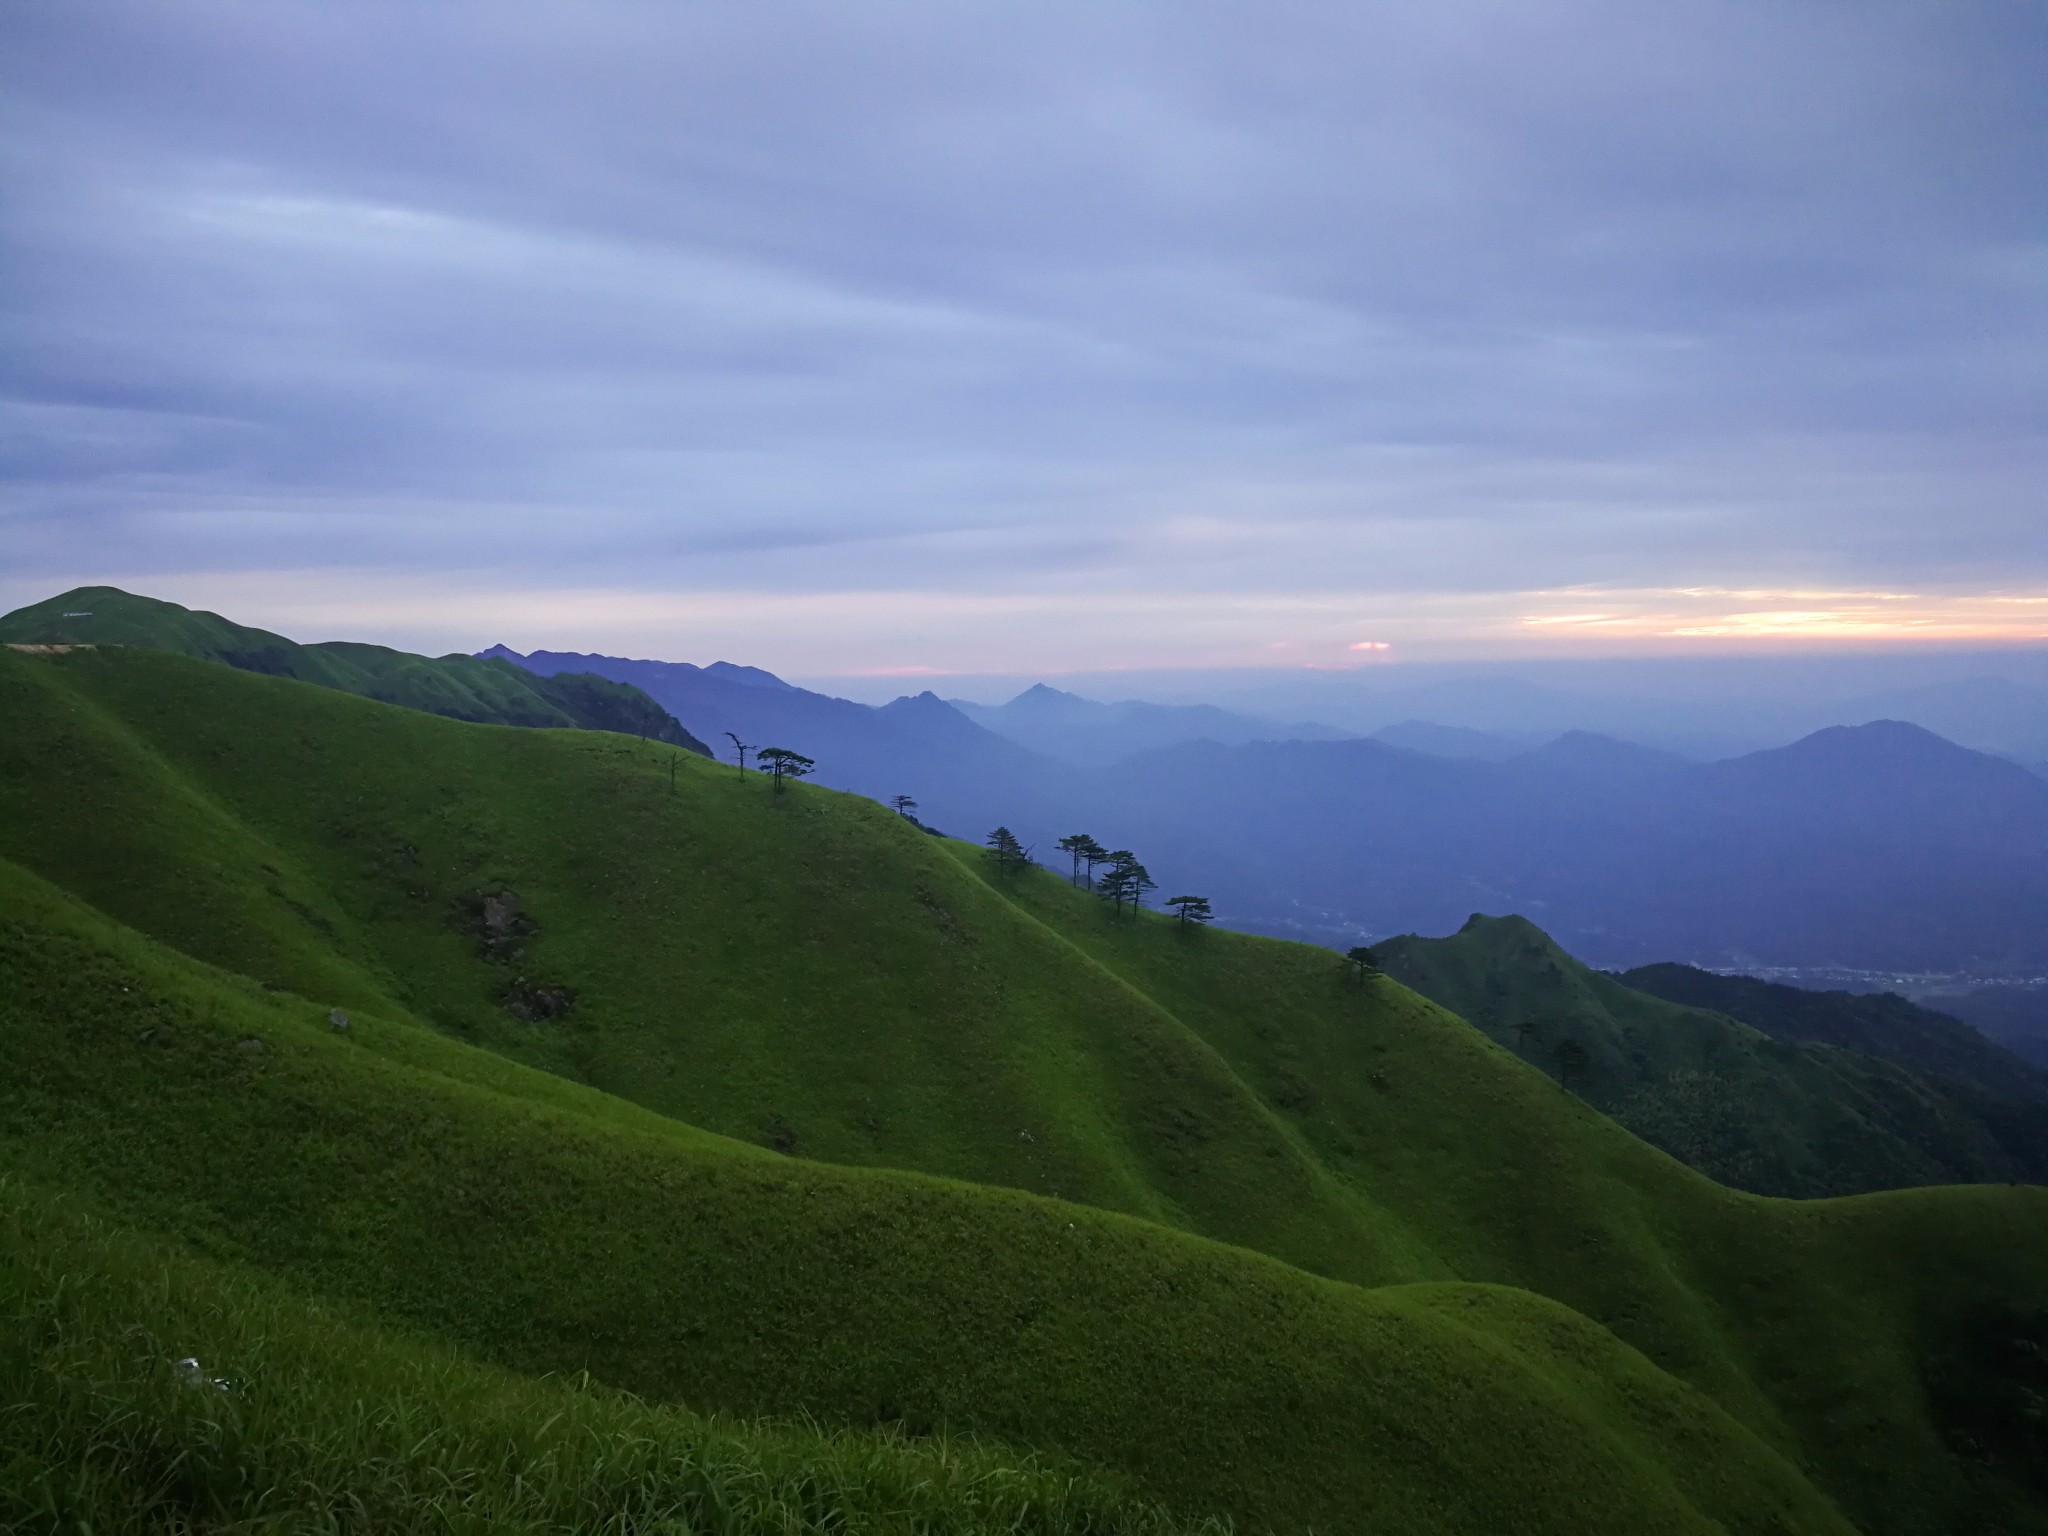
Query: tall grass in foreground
(301, 1418)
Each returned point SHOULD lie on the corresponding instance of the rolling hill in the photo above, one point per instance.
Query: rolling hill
(535, 1052)
(459, 687)
(1778, 1111)
(1880, 1024)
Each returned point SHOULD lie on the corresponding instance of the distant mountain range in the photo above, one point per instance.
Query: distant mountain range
(919, 745)
(1875, 845)
(1082, 731)
(1702, 708)
(1879, 846)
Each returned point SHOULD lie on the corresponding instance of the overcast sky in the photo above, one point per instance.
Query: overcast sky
(865, 337)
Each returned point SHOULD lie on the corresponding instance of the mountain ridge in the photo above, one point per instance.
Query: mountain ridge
(483, 690)
(1763, 1109)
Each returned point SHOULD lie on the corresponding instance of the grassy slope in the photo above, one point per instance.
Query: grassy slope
(552, 1229)
(810, 967)
(330, 1421)
(458, 687)
(1813, 1316)
(1775, 1116)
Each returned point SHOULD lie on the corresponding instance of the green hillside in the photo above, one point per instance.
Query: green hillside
(1323, 1255)
(1880, 1024)
(459, 687)
(1773, 1115)
(332, 1422)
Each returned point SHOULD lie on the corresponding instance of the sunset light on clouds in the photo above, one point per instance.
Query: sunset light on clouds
(1049, 336)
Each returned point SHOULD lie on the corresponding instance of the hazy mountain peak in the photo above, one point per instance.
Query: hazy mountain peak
(752, 677)
(1885, 746)
(1043, 701)
(1888, 731)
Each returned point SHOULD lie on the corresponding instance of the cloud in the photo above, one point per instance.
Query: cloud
(1085, 307)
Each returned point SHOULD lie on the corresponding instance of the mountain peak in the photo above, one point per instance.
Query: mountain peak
(1895, 742)
(1044, 699)
(751, 677)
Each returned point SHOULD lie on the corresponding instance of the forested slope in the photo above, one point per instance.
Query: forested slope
(1769, 1112)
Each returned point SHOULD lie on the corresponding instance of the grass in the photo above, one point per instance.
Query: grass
(456, 686)
(329, 1422)
(559, 1231)
(1453, 1297)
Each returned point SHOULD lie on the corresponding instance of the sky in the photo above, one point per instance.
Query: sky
(912, 340)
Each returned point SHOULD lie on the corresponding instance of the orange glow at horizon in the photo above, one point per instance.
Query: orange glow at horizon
(1720, 613)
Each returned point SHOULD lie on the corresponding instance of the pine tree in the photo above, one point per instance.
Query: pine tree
(904, 805)
(1126, 880)
(784, 764)
(1010, 854)
(1080, 846)
(1190, 909)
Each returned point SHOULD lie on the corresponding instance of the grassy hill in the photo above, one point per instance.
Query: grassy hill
(1774, 1115)
(334, 1422)
(459, 687)
(1322, 1254)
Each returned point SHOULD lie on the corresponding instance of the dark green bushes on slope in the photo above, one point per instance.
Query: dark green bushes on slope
(1880, 1024)
(459, 687)
(1782, 1117)
(2001, 1092)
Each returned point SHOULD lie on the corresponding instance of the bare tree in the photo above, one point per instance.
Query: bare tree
(741, 748)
